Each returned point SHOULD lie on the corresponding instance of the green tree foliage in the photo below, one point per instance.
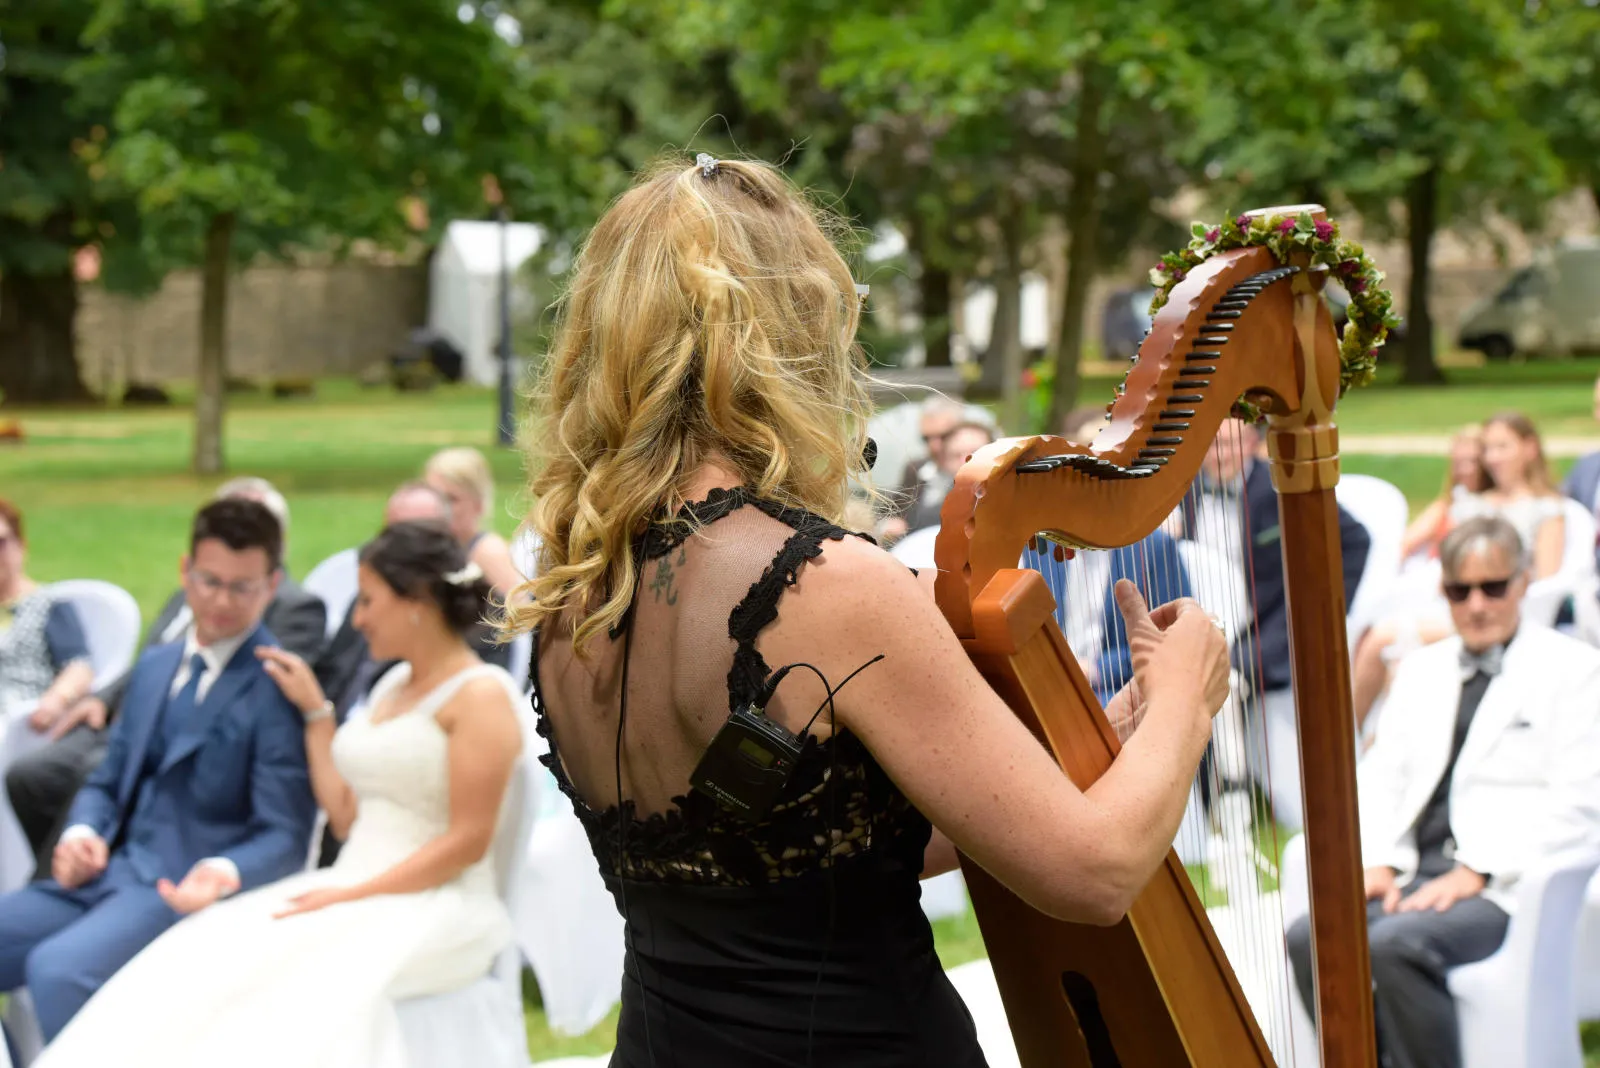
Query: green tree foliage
(248, 127)
(1412, 112)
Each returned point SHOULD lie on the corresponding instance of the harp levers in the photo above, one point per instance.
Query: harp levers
(1174, 984)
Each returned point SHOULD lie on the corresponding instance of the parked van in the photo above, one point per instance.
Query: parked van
(1551, 308)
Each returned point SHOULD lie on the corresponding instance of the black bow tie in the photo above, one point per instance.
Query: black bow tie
(1487, 662)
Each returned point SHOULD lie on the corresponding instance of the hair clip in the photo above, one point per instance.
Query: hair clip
(708, 164)
(466, 576)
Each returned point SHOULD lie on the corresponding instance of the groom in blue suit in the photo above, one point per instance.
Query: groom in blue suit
(203, 792)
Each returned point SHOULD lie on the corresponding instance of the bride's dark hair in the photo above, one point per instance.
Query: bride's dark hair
(422, 561)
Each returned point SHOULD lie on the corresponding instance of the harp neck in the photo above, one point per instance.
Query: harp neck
(1239, 325)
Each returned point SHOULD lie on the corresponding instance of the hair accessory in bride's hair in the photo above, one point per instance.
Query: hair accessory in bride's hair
(708, 164)
(466, 576)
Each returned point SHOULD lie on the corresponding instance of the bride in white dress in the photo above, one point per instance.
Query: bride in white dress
(304, 973)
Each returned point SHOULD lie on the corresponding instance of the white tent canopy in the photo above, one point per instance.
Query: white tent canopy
(464, 288)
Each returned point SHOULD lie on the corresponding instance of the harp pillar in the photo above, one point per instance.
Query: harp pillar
(1304, 452)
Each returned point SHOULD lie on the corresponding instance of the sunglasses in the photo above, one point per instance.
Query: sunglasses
(1458, 592)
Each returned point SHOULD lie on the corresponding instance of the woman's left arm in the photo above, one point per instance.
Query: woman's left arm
(485, 740)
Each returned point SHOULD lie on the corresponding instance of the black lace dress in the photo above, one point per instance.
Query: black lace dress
(756, 944)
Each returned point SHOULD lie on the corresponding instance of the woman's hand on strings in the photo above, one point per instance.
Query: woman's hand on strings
(1177, 649)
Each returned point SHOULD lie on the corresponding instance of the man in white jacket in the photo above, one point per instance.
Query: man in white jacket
(1486, 761)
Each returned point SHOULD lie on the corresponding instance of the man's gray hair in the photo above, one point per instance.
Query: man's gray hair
(1479, 535)
(258, 489)
(416, 485)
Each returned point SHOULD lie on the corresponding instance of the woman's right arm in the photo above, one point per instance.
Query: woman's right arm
(1423, 528)
(299, 684)
(968, 763)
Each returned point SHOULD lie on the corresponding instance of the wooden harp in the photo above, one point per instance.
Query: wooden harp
(1156, 990)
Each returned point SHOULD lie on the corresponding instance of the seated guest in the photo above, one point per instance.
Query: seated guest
(462, 477)
(305, 972)
(1488, 762)
(1246, 509)
(347, 669)
(1465, 477)
(204, 789)
(42, 784)
(44, 658)
(935, 422)
(928, 495)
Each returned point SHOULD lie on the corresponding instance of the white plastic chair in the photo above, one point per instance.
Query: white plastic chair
(1381, 508)
(334, 580)
(111, 622)
(916, 548)
(110, 619)
(566, 920)
(481, 1025)
(1574, 577)
(1588, 966)
(1517, 1007)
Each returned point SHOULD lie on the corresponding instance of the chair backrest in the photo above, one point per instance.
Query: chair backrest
(916, 548)
(1574, 576)
(334, 580)
(1381, 508)
(525, 552)
(111, 621)
(1577, 554)
(519, 812)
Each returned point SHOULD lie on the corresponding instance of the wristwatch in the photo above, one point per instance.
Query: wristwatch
(317, 715)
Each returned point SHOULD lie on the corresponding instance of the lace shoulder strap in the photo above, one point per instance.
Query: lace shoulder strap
(759, 607)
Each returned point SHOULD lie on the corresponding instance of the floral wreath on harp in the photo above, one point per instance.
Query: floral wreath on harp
(1371, 310)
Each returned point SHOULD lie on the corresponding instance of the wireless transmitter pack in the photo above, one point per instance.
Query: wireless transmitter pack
(748, 762)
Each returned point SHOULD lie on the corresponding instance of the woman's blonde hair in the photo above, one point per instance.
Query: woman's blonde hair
(709, 317)
(465, 468)
(1538, 469)
(1470, 433)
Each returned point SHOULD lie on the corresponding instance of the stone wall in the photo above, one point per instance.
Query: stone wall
(283, 321)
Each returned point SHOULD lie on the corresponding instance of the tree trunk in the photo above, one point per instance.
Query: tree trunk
(1594, 194)
(1083, 219)
(1422, 202)
(933, 291)
(38, 356)
(210, 384)
(1005, 334)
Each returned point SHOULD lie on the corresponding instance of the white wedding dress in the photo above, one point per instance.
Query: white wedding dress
(233, 986)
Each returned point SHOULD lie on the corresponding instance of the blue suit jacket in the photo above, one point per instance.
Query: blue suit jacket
(234, 785)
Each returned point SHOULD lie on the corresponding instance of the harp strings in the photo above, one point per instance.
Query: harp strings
(1228, 840)
(1242, 845)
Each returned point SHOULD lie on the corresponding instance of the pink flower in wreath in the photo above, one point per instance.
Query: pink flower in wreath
(1356, 286)
(1324, 231)
(1177, 276)
(1242, 222)
(1213, 233)
(1348, 267)
(1286, 227)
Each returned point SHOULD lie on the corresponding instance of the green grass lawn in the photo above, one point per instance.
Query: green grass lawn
(108, 494)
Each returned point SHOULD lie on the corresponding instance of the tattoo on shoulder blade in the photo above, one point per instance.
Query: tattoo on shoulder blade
(663, 584)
